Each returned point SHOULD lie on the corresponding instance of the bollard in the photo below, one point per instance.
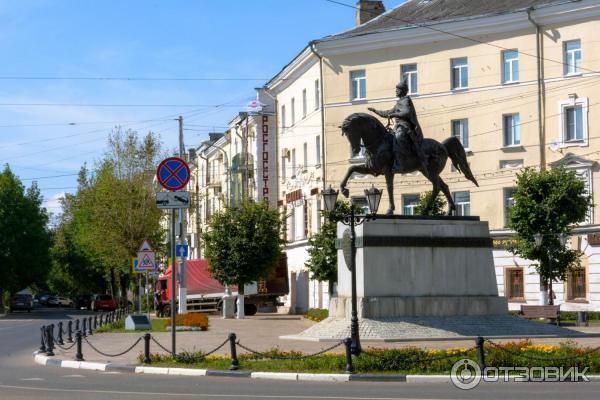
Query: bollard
(480, 352)
(234, 360)
(59, 340)
(95, 322)
(349, 367)
(147, 337)
(76, 325)
(84, 327)
(49, 340)
(90, 326)
(78, 355)
(70, 332)
(100, 319)
(43, 340)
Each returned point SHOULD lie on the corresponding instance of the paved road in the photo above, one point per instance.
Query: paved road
(21, 379)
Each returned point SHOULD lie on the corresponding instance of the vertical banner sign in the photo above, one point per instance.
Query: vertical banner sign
(265, 157)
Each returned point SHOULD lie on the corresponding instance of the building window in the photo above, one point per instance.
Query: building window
(318, 147)
(293, 163)
(462, 201)
(283, 168)
(283, 119)
(317, 95)
(409, 203)
(572, 57)
(460, 73)
(510, 164)
(510, 66)
(515, 285)
(293, 111)
(409, 72)
(304, 105)
(509, 201)
(358, 85)
(460, 129)
(293, 225)
(318, 215)
(573, 117)
(361, 201)
(512, 130)
(305, 156)
(576, 285)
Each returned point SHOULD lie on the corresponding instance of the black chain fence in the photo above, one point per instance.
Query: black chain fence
(293, 357)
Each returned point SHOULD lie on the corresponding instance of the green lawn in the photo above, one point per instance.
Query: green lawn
(158, 325)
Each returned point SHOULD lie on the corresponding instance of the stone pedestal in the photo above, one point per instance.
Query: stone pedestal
(417, 267)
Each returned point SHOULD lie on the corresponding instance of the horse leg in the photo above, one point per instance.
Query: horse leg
(389, 181)
(434, 193)
(358, 168)
(446, 191)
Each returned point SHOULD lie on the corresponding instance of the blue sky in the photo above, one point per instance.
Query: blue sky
(140, 39)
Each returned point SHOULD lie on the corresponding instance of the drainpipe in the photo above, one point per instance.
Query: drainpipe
(313, 48)
(541, 90)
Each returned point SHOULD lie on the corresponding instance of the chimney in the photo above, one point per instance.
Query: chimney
(366, 10)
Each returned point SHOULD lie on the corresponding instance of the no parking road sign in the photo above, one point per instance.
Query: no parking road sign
(173, 173)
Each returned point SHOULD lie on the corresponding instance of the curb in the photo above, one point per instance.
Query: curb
(44, 360)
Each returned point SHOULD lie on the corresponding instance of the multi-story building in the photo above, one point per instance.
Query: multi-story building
(298, 94)
(516, 82)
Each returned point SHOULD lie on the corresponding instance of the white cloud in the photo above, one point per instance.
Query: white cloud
(53, 204)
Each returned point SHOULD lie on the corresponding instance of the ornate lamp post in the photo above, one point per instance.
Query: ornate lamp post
(538, 238)
(373, 198)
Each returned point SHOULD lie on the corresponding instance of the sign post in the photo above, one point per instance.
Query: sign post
(173, 174)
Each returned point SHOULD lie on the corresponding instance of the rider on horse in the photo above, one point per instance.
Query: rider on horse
(406, 122)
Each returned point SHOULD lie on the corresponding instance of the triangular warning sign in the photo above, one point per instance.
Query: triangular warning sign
(145, 247)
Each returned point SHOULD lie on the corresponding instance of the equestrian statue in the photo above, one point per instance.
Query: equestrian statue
(403, 150)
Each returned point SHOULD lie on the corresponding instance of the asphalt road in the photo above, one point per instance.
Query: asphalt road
(21, 379)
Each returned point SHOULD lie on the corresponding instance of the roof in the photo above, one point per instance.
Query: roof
(415, 12)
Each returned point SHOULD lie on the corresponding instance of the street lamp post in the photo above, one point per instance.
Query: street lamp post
(538, 239)
(373, 198)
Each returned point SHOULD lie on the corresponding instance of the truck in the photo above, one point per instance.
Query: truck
(204, 294)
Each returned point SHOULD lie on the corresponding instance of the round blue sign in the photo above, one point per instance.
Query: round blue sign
(173, 173)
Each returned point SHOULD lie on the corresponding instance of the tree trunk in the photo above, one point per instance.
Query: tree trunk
(550, 293)
(113, 282)
(330, 289)
(240, 302)
(124, 283)
(1, 301)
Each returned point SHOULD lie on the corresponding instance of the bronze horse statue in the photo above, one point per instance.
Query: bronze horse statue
(361, 128)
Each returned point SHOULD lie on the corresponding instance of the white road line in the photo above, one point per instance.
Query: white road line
(201, 395)
(32, 379)
(72, 376)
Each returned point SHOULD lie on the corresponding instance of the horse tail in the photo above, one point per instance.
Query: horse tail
(458, 156)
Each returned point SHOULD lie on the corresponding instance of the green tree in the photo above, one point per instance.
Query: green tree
(322, 254)
(243, 243)
(24, 237)
(549, 202)
(439, 205)
(113, 211)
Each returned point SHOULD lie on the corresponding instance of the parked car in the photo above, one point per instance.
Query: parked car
(21, 302)
(58, 301)
(104, 302)
(84, 301)
(43, 299)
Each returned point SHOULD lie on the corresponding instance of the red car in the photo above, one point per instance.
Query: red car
(104, 302)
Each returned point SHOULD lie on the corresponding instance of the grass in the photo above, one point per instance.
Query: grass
(394, 361)
(158, 325)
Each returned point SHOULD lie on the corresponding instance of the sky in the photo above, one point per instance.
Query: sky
(50, 126)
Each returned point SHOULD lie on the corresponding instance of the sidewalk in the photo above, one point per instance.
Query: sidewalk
(260, 332)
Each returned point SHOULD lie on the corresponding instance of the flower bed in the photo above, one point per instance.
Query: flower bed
(316, 314)
(401, 361)
(191, 320)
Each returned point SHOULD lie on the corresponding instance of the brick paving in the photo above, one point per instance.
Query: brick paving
(265, 331)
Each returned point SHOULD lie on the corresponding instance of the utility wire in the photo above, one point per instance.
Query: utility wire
(116, 78)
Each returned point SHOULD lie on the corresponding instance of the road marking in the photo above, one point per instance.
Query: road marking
(73, 376)
(200, 395)
(32, 379)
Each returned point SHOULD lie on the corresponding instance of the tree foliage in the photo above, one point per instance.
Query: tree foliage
(243, 243)
(113, 211)
(24, 237)
(549, 202)
(439, 205)
(322, 254)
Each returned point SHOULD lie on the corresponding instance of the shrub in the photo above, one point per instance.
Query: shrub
(198, 320)
(316, 314)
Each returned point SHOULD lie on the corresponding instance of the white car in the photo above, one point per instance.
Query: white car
(58, 301)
